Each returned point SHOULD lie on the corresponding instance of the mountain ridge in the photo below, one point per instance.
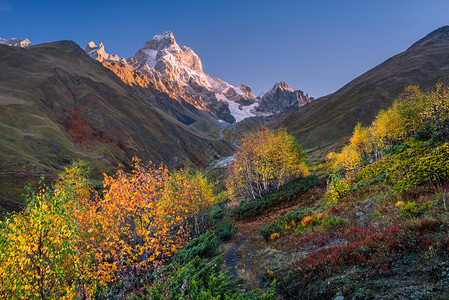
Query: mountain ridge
(14, 42)
(443, 30)
(178, 71)
(333, 117)
(59, 105)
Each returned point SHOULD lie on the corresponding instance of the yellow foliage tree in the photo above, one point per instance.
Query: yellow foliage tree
(191, 195)
(362, 140)
(387, 128)
(142, 218)
(265, 160)
(347, 161)
(40, 255)
(409, 105)
(436, 108)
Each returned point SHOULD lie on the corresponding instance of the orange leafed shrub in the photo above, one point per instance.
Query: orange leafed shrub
(68, 244)
(144, 217)
(275, 236)
(306, 221)
(129, 227)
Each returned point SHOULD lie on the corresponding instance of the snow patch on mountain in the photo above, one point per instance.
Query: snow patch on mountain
(166, 36)
(239, 111)
(150, 57)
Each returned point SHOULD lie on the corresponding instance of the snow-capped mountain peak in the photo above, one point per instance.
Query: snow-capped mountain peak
(161, 41)
(16, 42)
(178, 71)
(98, 53)
(163, 49)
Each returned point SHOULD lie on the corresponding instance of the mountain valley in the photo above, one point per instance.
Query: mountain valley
(146, 178)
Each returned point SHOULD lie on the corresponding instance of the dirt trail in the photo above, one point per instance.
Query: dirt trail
(247, 256)
(231, 258)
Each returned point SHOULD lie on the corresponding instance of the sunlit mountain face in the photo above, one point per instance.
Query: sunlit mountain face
(177, 71)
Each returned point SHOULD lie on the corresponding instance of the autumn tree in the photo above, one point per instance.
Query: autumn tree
(191, 195)
(436, 109)
(361, 140)
(143, 218)
(265, 160)
(410, 104)
(40, 255)
(346, 161)
(386, 128)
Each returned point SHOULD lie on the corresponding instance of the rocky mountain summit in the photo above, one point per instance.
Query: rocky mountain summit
(281, 97)
(16, 42)
(177, 71)
(98, 53)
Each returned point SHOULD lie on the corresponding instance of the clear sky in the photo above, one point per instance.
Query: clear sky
(315, 46)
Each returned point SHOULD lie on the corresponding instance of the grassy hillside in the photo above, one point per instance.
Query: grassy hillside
(333, 117)
(58, 105)
(379, 227)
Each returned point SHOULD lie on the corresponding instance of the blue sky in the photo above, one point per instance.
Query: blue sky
(315, 46)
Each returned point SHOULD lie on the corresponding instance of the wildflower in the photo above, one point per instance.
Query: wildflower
(275, 236)
(399, 204)
(306, 220)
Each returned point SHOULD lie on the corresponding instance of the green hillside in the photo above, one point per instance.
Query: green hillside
(58, 105)
(332, 117)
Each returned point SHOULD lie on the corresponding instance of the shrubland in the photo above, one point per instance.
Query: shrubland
(386, 202)
(71, 243)
(378, 227)
(406, 145)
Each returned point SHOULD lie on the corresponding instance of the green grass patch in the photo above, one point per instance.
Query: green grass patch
(289, 220)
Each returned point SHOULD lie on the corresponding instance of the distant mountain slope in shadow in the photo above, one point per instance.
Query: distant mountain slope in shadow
(333, 117)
